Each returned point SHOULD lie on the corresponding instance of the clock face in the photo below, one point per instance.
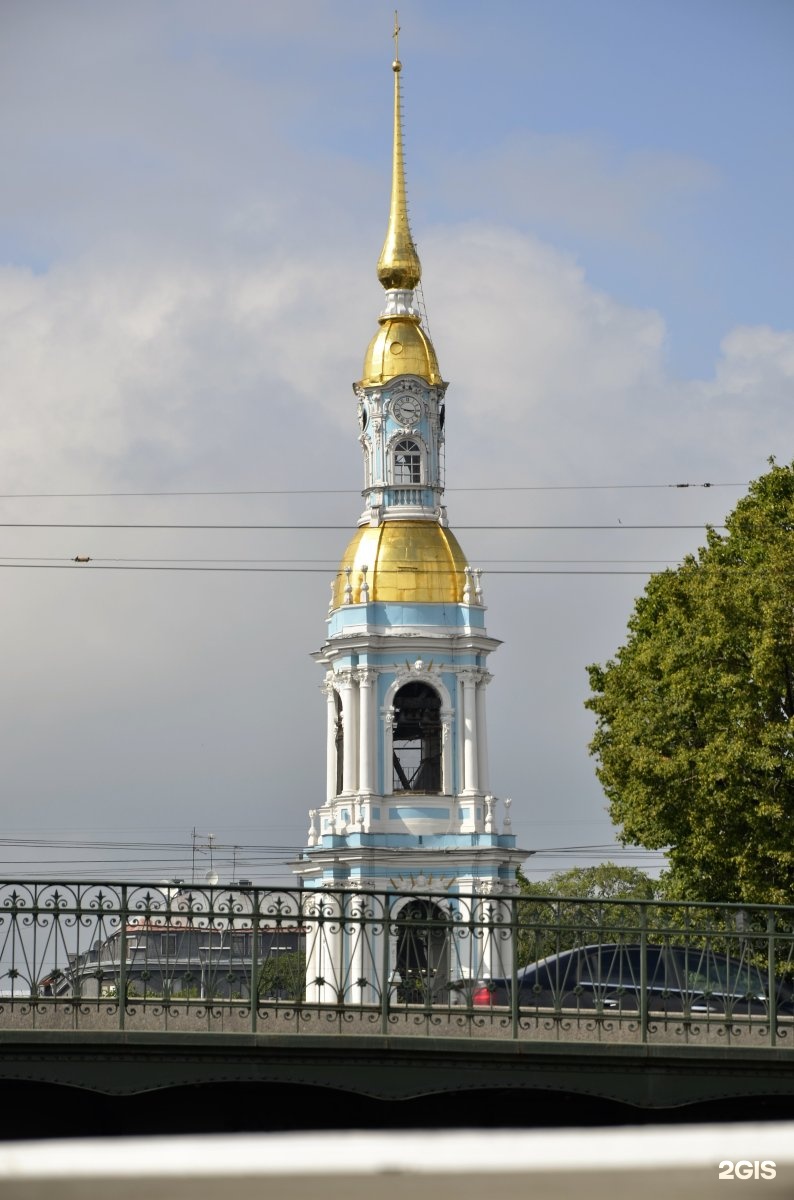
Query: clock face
(407, 410)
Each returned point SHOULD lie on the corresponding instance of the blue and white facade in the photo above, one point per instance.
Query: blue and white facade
(408, 805)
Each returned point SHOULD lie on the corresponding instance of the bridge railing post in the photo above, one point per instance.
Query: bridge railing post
(771, 965)
(643, 973)
(514, 997)
(122, 984)
(255, 935)
(385, 980)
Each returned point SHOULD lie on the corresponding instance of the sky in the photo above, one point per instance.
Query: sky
(193, 203)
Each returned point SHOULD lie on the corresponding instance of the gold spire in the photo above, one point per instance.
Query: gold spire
(398, 265)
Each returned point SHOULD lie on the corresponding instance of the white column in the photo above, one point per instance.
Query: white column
(364, 932)
(355, 950)
(388, 751)
(482, 733)
(465, 947)
(330, 748)
(492, 915)
(366, 774)
(323, 947)
(471, 784)
(350, 729)
(377, 934)
(446, 751)
(459, 737)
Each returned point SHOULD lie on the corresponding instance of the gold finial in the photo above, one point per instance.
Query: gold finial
(398, 265)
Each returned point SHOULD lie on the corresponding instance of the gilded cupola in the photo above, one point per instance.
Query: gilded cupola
(406, 562)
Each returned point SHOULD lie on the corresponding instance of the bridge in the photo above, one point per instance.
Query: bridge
(318, 1005)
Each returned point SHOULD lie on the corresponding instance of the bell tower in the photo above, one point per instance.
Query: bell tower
(408, 801)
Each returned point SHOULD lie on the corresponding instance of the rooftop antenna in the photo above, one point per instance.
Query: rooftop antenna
(211, 876)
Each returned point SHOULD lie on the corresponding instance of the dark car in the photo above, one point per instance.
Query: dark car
(679, 979)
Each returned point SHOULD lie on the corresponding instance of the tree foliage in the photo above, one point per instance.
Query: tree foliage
(551, 917)
(695, 715)
(607, 881)
(282, 976)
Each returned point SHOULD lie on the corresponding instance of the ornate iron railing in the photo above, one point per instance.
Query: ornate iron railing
(409, 961)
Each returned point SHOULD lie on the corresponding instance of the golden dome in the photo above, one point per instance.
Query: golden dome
(410, 561)
(400, 347)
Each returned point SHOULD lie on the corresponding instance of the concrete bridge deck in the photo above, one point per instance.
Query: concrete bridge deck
(399, 1066)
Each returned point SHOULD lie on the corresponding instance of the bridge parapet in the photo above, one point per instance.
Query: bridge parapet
(97, 957)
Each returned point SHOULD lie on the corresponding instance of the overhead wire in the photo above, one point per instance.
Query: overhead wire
(146, 558)
(529, 487)
(304, 565)
(83, 567)
(315, 528)
(135, 860)
(248, 850)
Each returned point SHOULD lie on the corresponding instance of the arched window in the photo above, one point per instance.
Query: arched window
(422, 952)
(417, 739)
(407, 461)
(340, 745)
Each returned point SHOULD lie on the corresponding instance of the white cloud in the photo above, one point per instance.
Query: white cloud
(177, 372)
(203, 298)
(529, 334)
(757, 363)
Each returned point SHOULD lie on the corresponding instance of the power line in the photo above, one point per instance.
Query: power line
(323, 528)
(536, 487)
(83, 567)
(258, 848)
(89, 843)
(329, 564)
(172, 858)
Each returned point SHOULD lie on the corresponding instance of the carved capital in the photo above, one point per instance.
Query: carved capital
(327, 687)
(489, 887)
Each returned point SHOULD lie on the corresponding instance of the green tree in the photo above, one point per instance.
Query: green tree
(695, 715)
(564, 910)
(283, 976)
(607, 881)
